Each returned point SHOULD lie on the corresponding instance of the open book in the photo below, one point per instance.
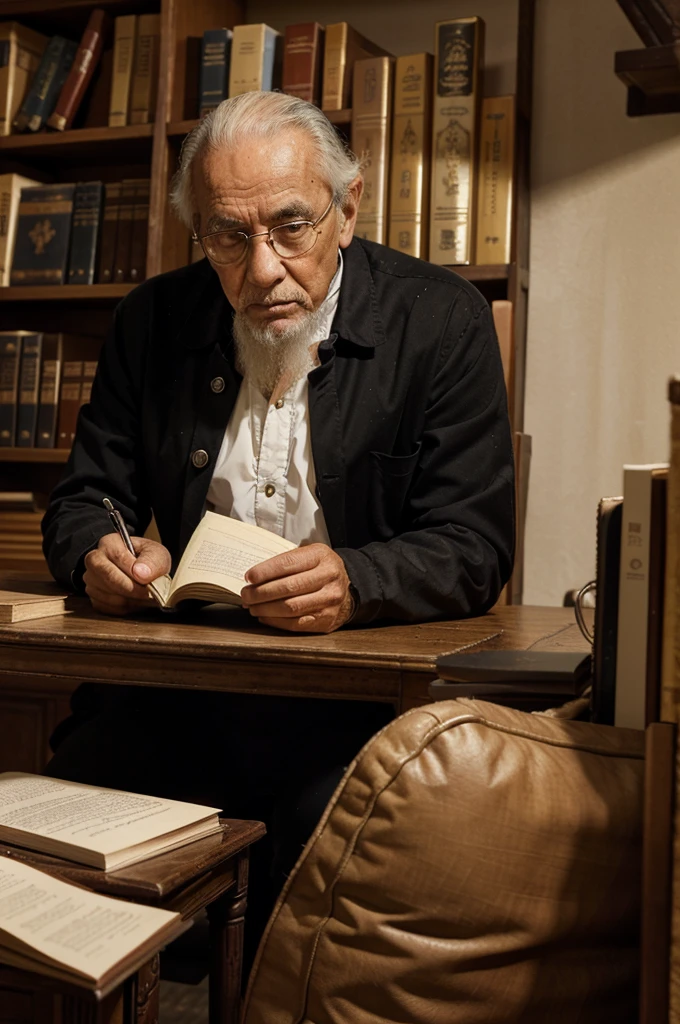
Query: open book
(216, 560)
(103, 828)
(66, 932)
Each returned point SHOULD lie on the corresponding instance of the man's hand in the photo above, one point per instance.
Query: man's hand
(305, 590)
(115, 581)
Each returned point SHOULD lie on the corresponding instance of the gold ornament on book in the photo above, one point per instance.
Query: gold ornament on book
(41, 234)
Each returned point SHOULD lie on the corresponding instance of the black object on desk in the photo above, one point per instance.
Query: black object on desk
(517, 678)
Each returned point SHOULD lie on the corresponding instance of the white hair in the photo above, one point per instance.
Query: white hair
(263, 115)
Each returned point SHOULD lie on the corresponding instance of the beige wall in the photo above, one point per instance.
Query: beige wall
(604, 309)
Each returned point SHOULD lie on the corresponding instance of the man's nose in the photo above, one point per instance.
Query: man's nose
(263, 267)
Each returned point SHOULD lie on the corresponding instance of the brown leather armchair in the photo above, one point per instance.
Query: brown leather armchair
(476, 865)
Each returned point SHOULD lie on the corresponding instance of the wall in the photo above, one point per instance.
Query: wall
(604, 307)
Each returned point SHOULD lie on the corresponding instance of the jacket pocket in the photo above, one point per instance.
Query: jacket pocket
(391, 477)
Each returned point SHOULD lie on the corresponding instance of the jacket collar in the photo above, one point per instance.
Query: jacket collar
(206, 317)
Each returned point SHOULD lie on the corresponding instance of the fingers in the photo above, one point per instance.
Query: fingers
(153, 560)
(288, 587)
(306, 604)
(110, 572)
(288, 564)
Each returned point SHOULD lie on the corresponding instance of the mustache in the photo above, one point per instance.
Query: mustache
(272, 299)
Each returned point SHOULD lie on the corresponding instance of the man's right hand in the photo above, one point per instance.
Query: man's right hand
(115, 581)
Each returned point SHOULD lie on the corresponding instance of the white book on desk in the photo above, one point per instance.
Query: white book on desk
(634, 577)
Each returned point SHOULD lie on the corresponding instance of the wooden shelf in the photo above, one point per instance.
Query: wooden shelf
(491, 272)
(78, 141)
(34, 454)
(50, 8)
(652, 75)
(176, 128)
(65, 293)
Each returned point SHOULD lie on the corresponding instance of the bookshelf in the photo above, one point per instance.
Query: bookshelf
(110, 154)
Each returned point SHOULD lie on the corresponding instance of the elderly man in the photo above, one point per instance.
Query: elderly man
(328, 389)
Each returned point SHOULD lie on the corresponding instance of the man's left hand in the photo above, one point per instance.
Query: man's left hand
(305, 590)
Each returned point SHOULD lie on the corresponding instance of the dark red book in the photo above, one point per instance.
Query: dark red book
(80, 75)
(302, 49)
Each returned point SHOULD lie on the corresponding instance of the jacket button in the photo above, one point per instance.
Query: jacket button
(199, 458)
(217, 384)
(279, 403)
(270, 490)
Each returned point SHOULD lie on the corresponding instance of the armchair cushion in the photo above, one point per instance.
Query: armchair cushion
(476, 865)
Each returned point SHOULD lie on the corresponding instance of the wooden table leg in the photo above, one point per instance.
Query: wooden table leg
(146, 993)
(226, 918)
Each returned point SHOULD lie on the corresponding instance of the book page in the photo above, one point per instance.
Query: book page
(222, 550)
(92, 818)
(86, 932)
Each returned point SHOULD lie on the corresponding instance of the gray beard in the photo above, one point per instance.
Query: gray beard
(263, 356)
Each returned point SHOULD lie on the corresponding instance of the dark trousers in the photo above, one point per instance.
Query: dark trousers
(272, 759)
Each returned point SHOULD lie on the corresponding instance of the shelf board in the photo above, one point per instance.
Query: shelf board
(652, 75)
(176, 128)
(76, 141)
(490, 272)
(34, 454)
(21, 8)
(65, 292)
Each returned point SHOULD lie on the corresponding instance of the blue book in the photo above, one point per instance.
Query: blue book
(215, 60)
(42, 96)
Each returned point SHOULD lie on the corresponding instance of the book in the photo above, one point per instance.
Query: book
(502, 311)
(561, 675)
(302, 52)
(87, 209)
(633, 616)
(457, 100)
(21, 50)
(639, 19)
(670, 654)
(496, 181)
(607, 561)
(108, 232)
(103, 828)
(97, 100)
(42, 94)
(657, 577)
(10, 357)
(140, 232)
(410, 158)
(144, 86)
(213, 84)
(16, 606)
(77, 373)
(256, 52)
(43, 234)
(343, 46)
(64, 931)
(80, 74)
(29, 385)
(10, 194)
(220, 552)
(371, 126)
(125, 30)
(48, 396)
(121, 260)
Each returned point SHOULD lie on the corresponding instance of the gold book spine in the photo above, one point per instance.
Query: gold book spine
(457, 100)
(123, 60)
(247, 59)
(334, 60)
(410, 161)
(371, 120)
(145, 75)
(496, 180)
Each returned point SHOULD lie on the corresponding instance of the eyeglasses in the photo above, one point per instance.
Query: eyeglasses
(287, 240)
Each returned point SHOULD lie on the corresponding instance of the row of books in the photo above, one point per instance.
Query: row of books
(44, 381)
(47, 79)
(73, 233)
(20, 541)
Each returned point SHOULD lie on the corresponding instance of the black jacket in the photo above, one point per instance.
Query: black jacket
(408, 420)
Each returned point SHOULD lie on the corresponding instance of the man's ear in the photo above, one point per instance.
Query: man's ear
(350, 209)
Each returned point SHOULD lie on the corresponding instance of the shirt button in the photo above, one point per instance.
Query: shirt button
(270, 490)
(199, 458)
(279, 404)
(217, 384)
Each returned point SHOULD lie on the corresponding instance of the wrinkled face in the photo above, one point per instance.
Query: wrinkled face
(258, 185)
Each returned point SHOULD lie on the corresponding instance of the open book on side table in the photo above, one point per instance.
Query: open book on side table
(218, 556)
(66, 932)
(103, 828)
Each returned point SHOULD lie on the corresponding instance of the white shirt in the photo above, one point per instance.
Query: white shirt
(264, 472)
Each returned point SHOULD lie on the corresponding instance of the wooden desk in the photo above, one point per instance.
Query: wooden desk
(43, 661)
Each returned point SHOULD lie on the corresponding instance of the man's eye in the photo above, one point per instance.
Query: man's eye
(291, 230)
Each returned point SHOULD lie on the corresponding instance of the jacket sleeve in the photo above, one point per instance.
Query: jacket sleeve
(456, 551)
(105, 460)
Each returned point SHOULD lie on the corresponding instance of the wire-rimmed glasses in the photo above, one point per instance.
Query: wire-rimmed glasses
(296, 238)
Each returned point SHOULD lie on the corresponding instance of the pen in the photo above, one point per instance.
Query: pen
(119, 525)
